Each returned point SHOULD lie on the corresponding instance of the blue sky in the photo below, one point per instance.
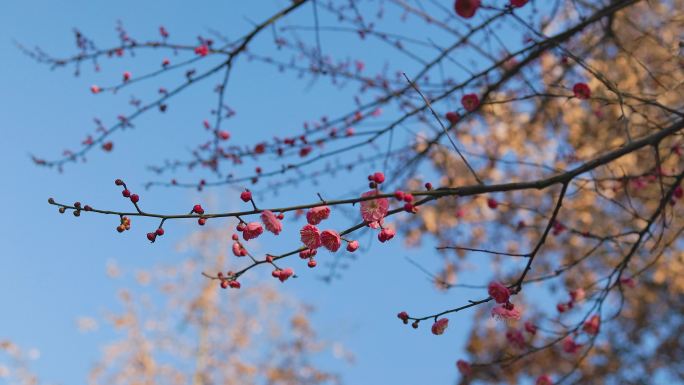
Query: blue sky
(52, 267)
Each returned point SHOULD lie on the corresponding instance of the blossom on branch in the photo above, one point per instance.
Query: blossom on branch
(466, 8)
(310, 236)
(317, 214)
(499, 292)
(331, 240)
(252, 230)
(503, 313)
(271, 222)
(373, 210)
(440, 326)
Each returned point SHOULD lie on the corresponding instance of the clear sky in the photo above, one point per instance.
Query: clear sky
(52, 267)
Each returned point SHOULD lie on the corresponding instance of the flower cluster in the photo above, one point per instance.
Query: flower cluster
(501, 295)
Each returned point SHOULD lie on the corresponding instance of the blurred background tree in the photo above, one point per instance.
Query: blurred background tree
(174, 327)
